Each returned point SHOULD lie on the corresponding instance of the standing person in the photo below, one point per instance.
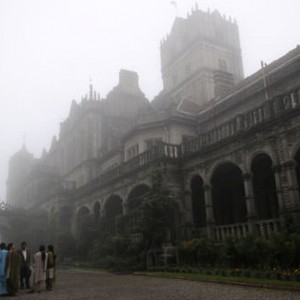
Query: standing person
(13, 270)
(3, 263)
(25, 271)
(40, 267)
(51, 268)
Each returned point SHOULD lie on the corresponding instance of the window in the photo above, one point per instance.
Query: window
(132, 151)
(223, 65)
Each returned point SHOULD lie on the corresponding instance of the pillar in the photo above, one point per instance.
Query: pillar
(210, 220)
(188, 216)
(279, 192)
(250, 203)
(292, 185)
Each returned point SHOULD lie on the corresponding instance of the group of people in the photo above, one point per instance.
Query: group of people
(16, 267)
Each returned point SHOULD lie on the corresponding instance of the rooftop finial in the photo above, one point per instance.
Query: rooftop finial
(174, 4)
(91, 90)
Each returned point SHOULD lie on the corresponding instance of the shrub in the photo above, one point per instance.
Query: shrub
(201, 251)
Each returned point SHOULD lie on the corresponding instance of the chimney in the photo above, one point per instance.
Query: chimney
(129, 81)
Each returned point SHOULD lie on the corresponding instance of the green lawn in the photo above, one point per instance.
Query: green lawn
(239, 280)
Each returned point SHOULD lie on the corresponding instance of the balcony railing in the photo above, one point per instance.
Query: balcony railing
(264, 229)
(234, 230)
(270, 109)
(159, 151)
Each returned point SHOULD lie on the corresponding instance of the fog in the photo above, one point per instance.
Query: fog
(52, 49)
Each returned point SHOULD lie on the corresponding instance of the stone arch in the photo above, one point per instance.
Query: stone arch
(83, 211)
(295, 150)
(264, 187)
(265, 151)
(136, 196)
(297, 160)
(216, 165)
(201, 173)
(113, 208)
(96, 210)
(134, 200)
(83, 219)
(129, 189)
(228, 194)
(198, 201)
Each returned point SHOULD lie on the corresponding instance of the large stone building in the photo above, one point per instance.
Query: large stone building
(228, 147)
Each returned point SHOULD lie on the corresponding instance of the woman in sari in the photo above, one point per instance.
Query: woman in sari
(40, 267)
(3, 264)
(13, 270)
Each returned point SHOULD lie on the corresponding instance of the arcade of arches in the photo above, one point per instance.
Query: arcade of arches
(114, 207)
(236, 203)
(231, 201)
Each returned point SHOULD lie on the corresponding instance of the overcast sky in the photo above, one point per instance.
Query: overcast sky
(50, 49)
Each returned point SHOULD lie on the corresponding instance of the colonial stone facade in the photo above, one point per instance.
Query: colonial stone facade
(229, 158)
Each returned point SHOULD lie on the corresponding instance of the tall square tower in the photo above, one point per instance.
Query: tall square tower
(201, 57)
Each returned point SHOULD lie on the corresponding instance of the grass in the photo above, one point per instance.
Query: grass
(238, 280)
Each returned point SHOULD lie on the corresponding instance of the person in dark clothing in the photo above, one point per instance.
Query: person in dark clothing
(51, 268)
(25, 271)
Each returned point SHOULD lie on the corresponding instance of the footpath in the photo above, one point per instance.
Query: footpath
(73, 284)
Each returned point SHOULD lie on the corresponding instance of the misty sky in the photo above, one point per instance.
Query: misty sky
(50, 49)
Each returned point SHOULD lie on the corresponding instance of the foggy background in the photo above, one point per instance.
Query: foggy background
(50, 49)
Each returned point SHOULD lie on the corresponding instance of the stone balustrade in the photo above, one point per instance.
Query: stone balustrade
(264, 229)
(235, 230)
(270, 109)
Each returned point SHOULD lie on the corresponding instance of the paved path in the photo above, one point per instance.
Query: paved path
(87, 285)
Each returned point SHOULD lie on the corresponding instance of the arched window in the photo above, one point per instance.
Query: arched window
(266, 202)
(135, 199)
(228, 195)
(112, 209)
(297, 159)
(198, 202)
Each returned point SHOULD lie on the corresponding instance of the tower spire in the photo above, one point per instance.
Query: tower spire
(91, 90)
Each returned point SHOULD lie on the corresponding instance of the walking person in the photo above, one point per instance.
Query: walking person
(25, 271)
(3, 264)
(51, 268)
(13, 270)
(40, 267)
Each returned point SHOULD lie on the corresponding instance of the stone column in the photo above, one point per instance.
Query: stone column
(188, 222)
(269, 113)
(125, 208)
(278, 105)
(293, 189)
(277, 171)
(210, 220)
(250, 203)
